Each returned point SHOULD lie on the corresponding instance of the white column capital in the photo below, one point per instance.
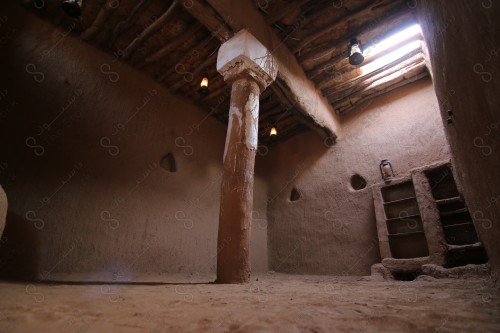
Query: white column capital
(244, 55)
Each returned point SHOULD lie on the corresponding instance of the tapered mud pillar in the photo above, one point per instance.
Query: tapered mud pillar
(249, 68)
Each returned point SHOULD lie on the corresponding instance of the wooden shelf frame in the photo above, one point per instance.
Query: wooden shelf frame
(400, 200)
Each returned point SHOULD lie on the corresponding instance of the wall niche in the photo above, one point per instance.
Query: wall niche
(168, 163)
(358, 182)
(295, 195)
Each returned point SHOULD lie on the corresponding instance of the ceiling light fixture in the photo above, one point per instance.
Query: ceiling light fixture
(203, 90)
(273, 132)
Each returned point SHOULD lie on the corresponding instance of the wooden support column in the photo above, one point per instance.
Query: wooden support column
(249, 67)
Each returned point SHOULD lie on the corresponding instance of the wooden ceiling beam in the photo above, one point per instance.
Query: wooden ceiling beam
(382, 86)
(128, 22)
(267, 105)
(150, 30)
(207, 16)
(282, 136)
(172, 45)
(360, 86)
(284, 10)
(96, 26)
(216, 93)
(196, 72)
(266, 96)
(276, 115)
(291, 107)
(307, 15)
(282, 128)
(357, 83)
(383, 82)
(181, 60)
(283, 124)
(335, 24)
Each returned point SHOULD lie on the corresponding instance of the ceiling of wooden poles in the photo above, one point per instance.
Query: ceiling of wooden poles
(161, 38)
(319, 32)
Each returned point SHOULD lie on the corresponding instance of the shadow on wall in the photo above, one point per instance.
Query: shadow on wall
(306, 153)
(19, 249)
(120, 163)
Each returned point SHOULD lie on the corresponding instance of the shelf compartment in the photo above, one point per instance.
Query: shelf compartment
(462, 248)
(451, 206)
(406, 233)
(405, 225)
(410, 245)
(457, 218)
(401, 209)
(474, 255)
(400, 200)
(442, 183)
(404, 217)
(398, 192)
(449, 201)
(460, 234)
(453, 212)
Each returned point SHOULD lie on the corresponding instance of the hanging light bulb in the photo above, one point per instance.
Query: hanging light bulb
(72, 7)
(204, 84)
(273, 132)
(355, 52)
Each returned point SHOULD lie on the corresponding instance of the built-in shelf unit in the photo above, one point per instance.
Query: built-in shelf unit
(422, 219)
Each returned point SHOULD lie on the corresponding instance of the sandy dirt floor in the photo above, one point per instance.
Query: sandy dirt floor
(270, 303)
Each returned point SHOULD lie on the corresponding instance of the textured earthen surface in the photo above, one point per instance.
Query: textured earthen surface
(380, 272)
(274, 303)
(331, 229)
(82, 136)
(468, 271)
(405, 265)
(463, 40)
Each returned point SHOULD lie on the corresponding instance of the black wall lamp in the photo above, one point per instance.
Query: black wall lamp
(355, 52)
(72, 7)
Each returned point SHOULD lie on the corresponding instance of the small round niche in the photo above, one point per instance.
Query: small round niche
(295, 195)
(168, 163)
(357, 182)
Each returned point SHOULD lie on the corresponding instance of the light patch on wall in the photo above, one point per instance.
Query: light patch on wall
(391, 57)
(394, 40)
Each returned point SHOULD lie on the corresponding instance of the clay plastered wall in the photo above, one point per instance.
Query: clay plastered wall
(331, 229)
(467, 82)
(81, 137)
